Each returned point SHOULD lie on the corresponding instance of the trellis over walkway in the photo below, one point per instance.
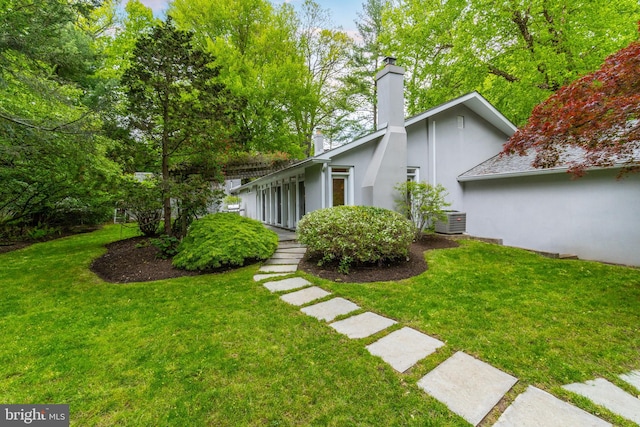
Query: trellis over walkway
(253, 168)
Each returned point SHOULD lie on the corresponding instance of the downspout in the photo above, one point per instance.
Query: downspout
(323, 184)
(435, 176)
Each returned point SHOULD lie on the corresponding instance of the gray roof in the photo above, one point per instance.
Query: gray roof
(514, 165)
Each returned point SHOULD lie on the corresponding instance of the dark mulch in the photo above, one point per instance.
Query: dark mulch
(375, 273)
(8, 246)
(135, 260)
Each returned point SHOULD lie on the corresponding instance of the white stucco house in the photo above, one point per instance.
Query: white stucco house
(457, 144)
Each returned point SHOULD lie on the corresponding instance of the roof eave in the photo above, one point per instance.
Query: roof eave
(527, 173)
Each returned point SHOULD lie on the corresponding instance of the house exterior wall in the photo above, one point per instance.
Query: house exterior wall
(594, 217)
(248, 203)
(447, 145)
(313, 187)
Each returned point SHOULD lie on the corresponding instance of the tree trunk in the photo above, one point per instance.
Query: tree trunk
(166, 197)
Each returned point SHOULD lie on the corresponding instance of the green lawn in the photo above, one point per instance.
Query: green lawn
(222, 350)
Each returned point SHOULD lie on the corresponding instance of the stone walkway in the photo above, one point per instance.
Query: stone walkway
(469, 387)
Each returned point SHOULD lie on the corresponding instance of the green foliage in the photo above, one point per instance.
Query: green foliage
(41, 231)
(224, 240)
(53, 164)
(175, 104)
(423, 204)
(143, 201)
(167, 246)
(515, 53)
(360, 234)
(231, 200)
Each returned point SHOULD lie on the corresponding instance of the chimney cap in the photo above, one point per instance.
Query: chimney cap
(390, 60)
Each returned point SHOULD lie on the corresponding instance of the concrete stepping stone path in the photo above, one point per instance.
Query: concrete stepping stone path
(362, 325)
(282, 261)
(468, 386)
(287, 255)
(287, 284)
(279, 268)
(537, 408)
(259, 277)
(298, 250)
(603, 393)
(632, 378)
(329, 310)
(404, 348)
(304, 296)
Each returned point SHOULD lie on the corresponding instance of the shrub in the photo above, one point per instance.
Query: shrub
(224, 240)
(167, 246)
(361, 234)
(143, 200)
(423, 204)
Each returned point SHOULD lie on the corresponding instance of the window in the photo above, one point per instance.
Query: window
(341, 193)
(413, 174)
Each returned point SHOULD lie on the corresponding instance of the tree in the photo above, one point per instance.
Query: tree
(255, 47)
(368, 56)
(326, 52)
(423, 204)
(52, 157)
(175, 104)
(515, 53)
(598, 114)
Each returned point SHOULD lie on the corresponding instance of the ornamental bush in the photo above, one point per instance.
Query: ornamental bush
(224, 240)
(355, 234)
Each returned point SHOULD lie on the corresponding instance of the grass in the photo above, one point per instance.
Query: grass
(548, 322)
(222, 350)
(215, 350)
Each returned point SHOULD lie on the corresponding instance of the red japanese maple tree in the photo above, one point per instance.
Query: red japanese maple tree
(599, 113)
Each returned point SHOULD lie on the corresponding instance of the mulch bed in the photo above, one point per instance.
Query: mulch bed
(374, 273)
(8, 246)
(135, 260)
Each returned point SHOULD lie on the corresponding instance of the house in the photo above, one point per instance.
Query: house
(456, 144)
(594, 217)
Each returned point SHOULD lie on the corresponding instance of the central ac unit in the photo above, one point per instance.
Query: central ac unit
(456, 223)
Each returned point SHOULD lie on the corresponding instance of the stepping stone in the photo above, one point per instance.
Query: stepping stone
(632, 378)
(329, 310)
(362, 325)
(537, 408)
(287, 255)
(290, 244)
(287, 284)
(602, 392)
(278, 268)
(304, 296)
(404, 348)
(468, 386)
(259, 277)
(280, 261)
(292, 250)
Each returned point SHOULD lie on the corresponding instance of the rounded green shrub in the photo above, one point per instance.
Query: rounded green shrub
(356, 234)
(224, 240)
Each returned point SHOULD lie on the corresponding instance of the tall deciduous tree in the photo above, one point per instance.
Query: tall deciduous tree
(255, 47)
(175, 103)
(515, 53)
(368, 56)
(51, 156)
(327, 53)
(599, 113)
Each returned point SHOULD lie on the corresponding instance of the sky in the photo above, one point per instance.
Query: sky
(343, 12)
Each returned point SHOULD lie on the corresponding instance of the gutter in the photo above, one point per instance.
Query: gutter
(522, 174)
